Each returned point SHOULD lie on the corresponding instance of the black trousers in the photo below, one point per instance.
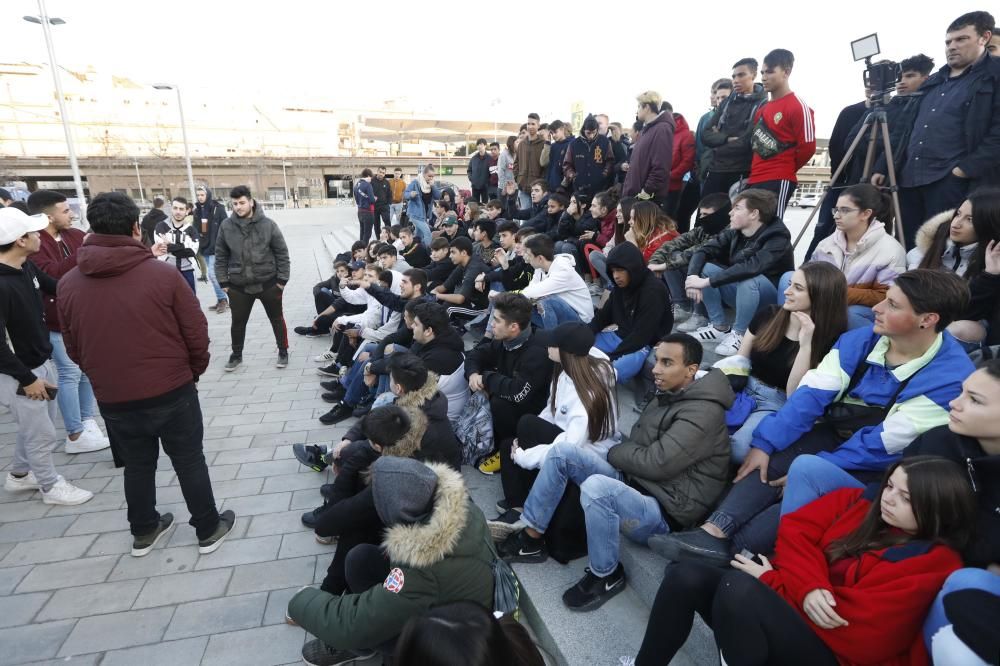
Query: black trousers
(383, 217)
(690, 197)
(753, 625)
(480, 196)
(783, 189)
(531, 431)
(718, 181)
(366, 220)
(138, 433)
(506, 416)
(919, 204)
(323, 299)
(353, 521)
(241, 304)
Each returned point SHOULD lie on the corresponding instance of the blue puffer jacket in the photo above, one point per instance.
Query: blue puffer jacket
(937, 378)
(414, 200)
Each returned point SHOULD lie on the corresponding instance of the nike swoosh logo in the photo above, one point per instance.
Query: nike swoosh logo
(521, 552)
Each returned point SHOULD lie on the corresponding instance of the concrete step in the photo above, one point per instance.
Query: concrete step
(598, 637)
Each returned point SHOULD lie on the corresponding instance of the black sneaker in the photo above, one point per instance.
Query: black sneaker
(503, 506)
(226, 521)
(310, 518)
(309, 331)
(591, 592)
(340, 412)
(505, 524)
(695, 545)
(235, 360)
(282, 359)
(332, 398)
(310, 455)
(334, 386)
(318, 653)
(332, 370)
(141, 545)
(364, 406)
(519, 547)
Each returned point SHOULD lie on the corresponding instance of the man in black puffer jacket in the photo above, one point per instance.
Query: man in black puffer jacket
(727, 134)
(640, 308)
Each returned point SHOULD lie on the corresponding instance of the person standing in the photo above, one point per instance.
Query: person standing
(147, 399)
(383, 199)
(420, 195)
(492, 164)
(209, 215)
(648, 174)
(56, 257)
(396, 187)
(364, 197)
(479, 172)
(252, 263)
(784, 134)
(27, 378)
(151, 219)
(177, 240)
(726, 136)
(529, 160)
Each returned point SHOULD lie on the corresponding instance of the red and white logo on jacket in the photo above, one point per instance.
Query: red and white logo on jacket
(394, 581)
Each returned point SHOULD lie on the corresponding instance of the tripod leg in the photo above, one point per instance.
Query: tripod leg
(870, 156)
(894, 189)
(836, 174)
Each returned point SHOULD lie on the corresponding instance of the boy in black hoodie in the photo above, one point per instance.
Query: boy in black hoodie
(440, 266)
(639, 307)
(413, 251)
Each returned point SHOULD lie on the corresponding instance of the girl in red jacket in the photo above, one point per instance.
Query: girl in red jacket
(853, 577)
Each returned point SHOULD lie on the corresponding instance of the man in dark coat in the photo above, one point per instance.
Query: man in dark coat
(649, 166)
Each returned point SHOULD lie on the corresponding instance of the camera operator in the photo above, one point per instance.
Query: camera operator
(954, 137)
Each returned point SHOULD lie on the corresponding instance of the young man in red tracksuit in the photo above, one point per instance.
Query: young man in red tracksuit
(784, 133)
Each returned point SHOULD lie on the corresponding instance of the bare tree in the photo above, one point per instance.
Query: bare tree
(159, 143)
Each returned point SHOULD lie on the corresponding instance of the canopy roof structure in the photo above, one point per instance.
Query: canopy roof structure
(429, 129)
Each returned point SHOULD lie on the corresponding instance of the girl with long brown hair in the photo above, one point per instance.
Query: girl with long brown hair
(651, 228)
(853, 577)
(785, 341)
(582, 412)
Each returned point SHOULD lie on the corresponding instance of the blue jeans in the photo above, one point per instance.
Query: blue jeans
(859, 316)
(76, 395)
(599, 261)
(423, 231)
(769, 399)
(354, 381)
(627, 366)
(219, 294)
(564, 462)
(189, 278)
(746, 297)
(609, 507)
(963, 579)
(554, 311)
(675, 283)
(811, 477)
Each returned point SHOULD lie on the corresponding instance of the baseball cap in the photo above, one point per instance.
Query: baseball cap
(572, 337)
(15, 223)
(5, 194)
(450, 218)
(355, 265)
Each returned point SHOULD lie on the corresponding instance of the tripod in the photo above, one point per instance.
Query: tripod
(874, 121)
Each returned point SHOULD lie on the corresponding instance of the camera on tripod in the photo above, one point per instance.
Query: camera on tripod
(880, 78)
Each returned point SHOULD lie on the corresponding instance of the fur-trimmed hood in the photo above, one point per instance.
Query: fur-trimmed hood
(425, 544)
(927, 230)
(412, 404)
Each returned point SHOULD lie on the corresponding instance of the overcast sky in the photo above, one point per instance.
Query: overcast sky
(453, 57)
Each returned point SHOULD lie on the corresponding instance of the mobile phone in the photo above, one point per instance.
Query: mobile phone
(50, 390)
(751, 556)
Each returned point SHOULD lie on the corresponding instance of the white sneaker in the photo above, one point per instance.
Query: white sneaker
(66, 493)
(325, 357)
(595, 288)
(709, 333)
(693, 323)
(89, 440)
(14, 484)
(730, 344)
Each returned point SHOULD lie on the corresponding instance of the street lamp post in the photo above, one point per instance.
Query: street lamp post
(284, 177)
(142, 195)
(45, 21)
(187, 149)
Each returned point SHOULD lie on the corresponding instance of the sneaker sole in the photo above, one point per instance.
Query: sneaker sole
(597, 602)
(345, 662)
(500, 530)
(323, 373)
(142, 552)
(678, 552)
(46, 500)
(232, 369)
(19, 488)
(73, 450)
(205, 550)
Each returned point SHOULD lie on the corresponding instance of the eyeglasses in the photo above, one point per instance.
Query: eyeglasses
(839, 212)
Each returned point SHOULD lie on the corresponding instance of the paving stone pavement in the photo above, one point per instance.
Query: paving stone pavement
(70, 591)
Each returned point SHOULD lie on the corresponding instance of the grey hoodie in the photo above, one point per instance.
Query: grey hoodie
(251, 254)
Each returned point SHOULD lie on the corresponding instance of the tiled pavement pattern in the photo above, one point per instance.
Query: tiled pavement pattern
(71, 594)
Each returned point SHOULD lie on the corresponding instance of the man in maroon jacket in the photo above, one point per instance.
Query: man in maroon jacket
(57, 255)
(648, 175)
(135, 327)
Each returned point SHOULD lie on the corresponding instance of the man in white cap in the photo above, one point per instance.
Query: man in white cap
(28, 379)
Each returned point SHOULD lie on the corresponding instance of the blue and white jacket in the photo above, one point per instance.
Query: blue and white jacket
(922, 405)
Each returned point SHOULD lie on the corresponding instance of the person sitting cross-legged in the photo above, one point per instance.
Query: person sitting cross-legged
(666, 474)
(435, 550)
(559, 292)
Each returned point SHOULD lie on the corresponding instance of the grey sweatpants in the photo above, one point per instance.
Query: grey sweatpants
(36, 430)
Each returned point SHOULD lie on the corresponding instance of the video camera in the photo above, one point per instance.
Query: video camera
(880, 78)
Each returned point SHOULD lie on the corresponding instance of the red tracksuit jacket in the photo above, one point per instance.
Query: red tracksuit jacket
(783, 139)
(884, 595)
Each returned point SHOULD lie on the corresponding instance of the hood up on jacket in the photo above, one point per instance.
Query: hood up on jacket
(414, 403)
(627, 256)
(681, 124)
(104, 255)
(425, 543)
